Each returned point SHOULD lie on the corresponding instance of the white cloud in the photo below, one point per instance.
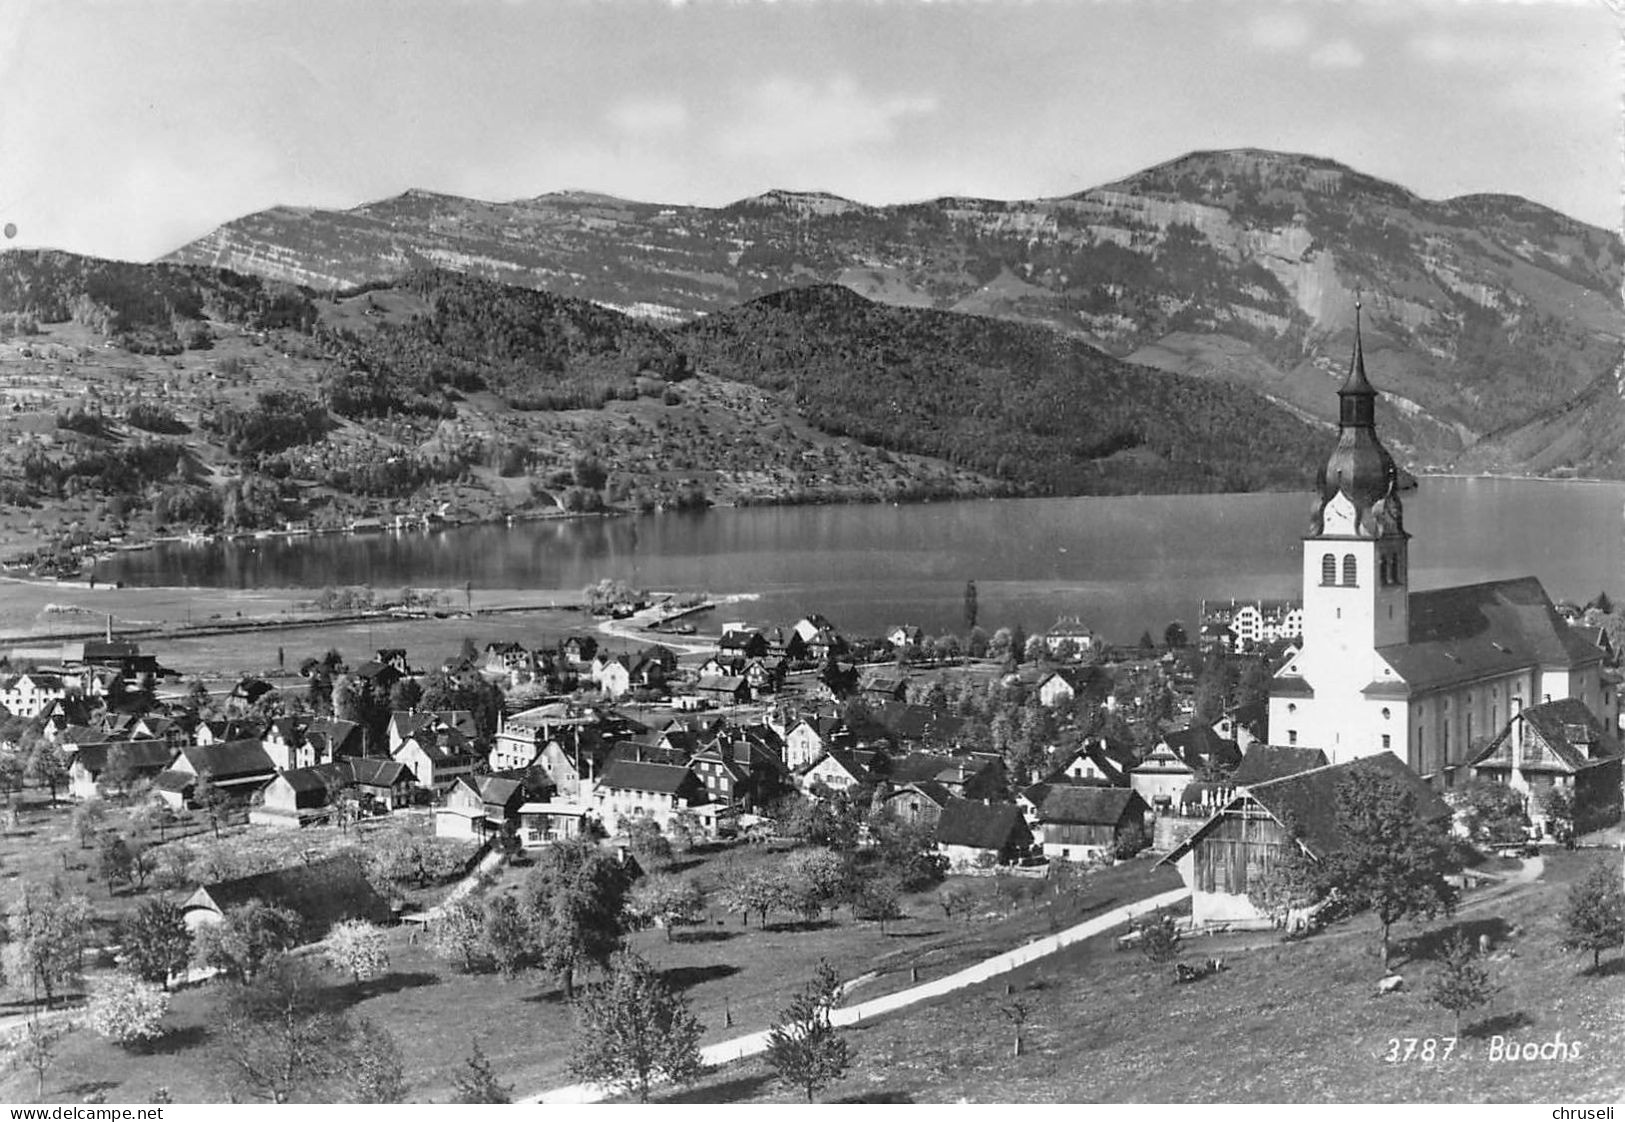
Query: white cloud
(1339, 54)
(642, 117)
(785, 117)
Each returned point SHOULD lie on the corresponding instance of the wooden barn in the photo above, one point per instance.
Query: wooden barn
(1253, 831)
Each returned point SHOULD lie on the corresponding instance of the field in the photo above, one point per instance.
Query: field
(1285, 1022)
(736, 976)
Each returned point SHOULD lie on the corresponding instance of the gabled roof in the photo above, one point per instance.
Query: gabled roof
(634, 752)
(1308, 801)
(143, 755)
(230, 759)
(1087, 806)
(501, 792)
(632, 775)
(1567, 727)
(330, 735)
(941, 767)
(1200, 745)
(376, 771)
(323, 893)
(979, 825)
(1264, 762)
(927, 789)
(1475, 630)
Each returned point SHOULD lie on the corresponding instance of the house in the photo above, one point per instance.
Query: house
(810, 738)
(322, 893)
(436, 758)
(1161, 777)
(1078, 823)
(1263, 762)
(918, 804)
(633, 789)
(729, 689)
(578, 648)
(968, 775)
(480, 808)
(521, 737)
(916, 726)
(1097, 761)
(1069, 630)
(905, 635)
(247, 692)
(381, 676)
(221, 731)
(284, 741)
(1257, 826)
(1062, 686)
(394, 658)
(763, 676)
(742, 643)
(508, 658)
(613, 676)
(28, 694)
(298, 797)
(404, 723)
(1559, 747)
(239, 767)
(841, 769)
(135, 759)
(648, 673)
(1204, 750)
(379, 782)
(740, 772)
(542, 823)
(975, 835)
(883, 686)
(330, 738)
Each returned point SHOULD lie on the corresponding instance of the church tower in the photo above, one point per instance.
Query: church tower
(1355, 572)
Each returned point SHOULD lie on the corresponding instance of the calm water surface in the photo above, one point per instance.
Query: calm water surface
(1124, 564)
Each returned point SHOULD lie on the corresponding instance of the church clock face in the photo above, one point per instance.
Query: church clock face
(1338, 517)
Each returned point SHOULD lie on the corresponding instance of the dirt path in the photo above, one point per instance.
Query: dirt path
(752, 1044)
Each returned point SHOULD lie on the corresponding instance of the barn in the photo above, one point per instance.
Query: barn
(1255, 829)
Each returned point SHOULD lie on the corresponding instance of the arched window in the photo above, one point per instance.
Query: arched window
(1350, 569)
(1328, 569)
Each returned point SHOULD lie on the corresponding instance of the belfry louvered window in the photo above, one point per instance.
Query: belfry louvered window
(1351, 570)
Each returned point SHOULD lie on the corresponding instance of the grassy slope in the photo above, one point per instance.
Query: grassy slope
(1285, 1023)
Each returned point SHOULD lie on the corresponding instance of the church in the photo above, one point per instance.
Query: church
(1429, 676)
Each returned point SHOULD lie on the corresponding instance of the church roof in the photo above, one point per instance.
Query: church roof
(1473, 631)
(1359, 466)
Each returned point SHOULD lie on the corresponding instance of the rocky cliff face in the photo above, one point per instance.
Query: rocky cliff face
(1240, 265)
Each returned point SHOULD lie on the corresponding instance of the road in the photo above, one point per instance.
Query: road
(755, 1043)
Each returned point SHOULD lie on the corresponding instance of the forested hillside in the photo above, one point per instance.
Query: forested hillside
(1018, 402)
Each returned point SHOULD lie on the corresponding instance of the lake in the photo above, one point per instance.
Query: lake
(1124, 564)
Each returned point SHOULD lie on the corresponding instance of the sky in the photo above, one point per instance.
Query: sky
(130, 127)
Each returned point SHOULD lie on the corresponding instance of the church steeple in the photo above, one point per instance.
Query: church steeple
(1359, 468)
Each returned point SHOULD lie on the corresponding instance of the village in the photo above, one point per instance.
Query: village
(526, 846)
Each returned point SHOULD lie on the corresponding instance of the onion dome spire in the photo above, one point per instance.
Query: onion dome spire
(1360, 467)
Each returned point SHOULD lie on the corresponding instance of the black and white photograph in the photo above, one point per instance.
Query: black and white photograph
(744, 552)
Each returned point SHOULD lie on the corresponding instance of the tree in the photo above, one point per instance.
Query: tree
(215, 802)
(377, 1074)
(247, 938)
(1173, 636)
(38, 1046)
(477, 1083)
(956, 898)
(45, 943)
(88, 819)
(1391, 861)
(970, 606)
(1460, 982)
(457, 934)
(1159, 939)
(576, 898)
(279, 1038)
(759, 890)
(357, 948)
(1291, 881)
(1146, 644)
(1492, 812)
(648, 843)
(803, 1048)
(878, 899)
(1594, 917)
(126, 1009)
(508, 936)
(634, 1027)
(464, 689)
(116, 860)
(156, 941)
(405, 695)
(667, 901)
(46, 764)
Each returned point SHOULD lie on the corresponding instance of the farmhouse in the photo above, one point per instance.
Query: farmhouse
(1077, 823)
(127, 760)
(1558, 748)
(1254, 830)
(633, 789)
(322, 893)
(978, 835)
(239, 767)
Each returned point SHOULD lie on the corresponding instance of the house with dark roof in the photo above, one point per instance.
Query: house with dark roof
(965, 775)
(1061, 686)
(1078, 823)
(1426, 675)
(916, 726)
(1559, 747)
(130, 760)
(810, 737)
(728, 689)
(972, 834)
(633, 789)
(480, 808)
(322, 893)
(840, 769)
(1097, 761)
(918, 804)
(436, 757)
(240, 768)
(330, 738)
(740, 772)
(1259, 825)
